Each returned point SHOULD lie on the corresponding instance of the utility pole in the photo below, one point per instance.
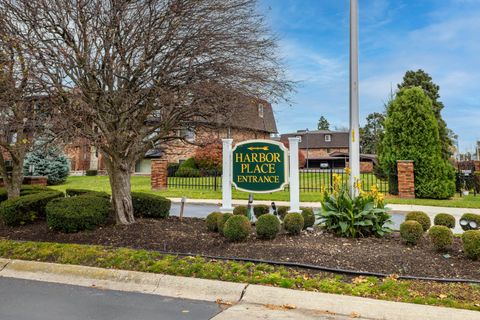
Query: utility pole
(354, 152)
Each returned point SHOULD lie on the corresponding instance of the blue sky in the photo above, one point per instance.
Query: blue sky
(440, 36)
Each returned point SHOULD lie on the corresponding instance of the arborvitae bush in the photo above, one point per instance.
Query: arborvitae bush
(237, 228)
(441, 236)
(240, 210)
(211, 221)
(420, 217)
(221, 221)
(411, 231)
(260, 209)
(444, 219)
(308, 217)
(267, 226)
(471, 244)
(293, 223)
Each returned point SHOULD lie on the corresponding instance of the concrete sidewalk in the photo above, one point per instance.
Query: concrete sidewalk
(431, 210)
(242, 301)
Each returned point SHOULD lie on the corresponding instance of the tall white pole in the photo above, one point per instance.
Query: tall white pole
(354, 153)
(227, 176)
(294, 175)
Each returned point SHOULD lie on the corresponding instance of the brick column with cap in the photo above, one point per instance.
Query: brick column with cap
(406, 179)
(159, 176)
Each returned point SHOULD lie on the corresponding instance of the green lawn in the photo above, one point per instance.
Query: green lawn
(140, 183)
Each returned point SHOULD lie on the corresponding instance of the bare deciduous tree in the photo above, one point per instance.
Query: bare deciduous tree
(133, 72)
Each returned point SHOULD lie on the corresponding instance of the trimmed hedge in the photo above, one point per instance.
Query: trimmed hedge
(240, 210)
(82, 192)
(267, 226)
(260, 209)
(411, 231)
(420, 217)
(91, 173)
(470, 217)
(26, 209)
(441, 236)
(212, 221)
(282, 211)
(471, 244)
(221, 221)
(75, 214)
(150, 206)
(237, 228)
(3, 195)
(444, 219)
(308, 217)
(293, 223)
(24, 190)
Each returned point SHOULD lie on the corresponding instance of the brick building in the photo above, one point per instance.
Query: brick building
(253, 121)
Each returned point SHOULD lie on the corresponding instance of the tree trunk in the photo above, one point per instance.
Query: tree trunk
(13, 180)
(119, 175)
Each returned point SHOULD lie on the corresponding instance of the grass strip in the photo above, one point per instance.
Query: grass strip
(455, 295)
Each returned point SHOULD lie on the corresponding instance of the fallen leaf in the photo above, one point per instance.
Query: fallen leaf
(354, 315)
(442, 296)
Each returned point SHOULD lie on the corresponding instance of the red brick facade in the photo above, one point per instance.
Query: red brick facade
(159, 177)
(39, 181)
(406, 179)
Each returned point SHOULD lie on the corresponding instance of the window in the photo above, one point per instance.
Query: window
(187, 134)
(13, 138)
(328, 137)
(260, 110)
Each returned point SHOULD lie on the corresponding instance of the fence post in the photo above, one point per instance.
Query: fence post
(159, 174)
(215, 180)
(406, 179)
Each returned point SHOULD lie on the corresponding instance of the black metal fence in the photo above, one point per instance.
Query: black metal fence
(311, 180)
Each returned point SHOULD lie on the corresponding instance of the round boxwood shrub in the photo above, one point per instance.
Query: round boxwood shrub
(150, 205)
(293, 223)
(420, 217)
(282, 211)
(81, 192)
(441, 236)
(470, 221)
(240, 210)
(411, 231)
(267, 226)
(211, 221)
(471, 244)
(308, 217)
(221, 221)
(77, 213)
(444, 219)
(260, 209)
(237, 228)
(26, 209)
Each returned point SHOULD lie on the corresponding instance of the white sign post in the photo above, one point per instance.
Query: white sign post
(227, 176)
(294, 175)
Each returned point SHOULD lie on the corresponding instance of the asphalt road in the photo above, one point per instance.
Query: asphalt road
(33, 300)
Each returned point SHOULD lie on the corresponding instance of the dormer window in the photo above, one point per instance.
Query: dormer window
(187, 133)
(328, 138)
(260, 110)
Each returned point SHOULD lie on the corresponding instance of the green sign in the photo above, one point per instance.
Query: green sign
(259, 166)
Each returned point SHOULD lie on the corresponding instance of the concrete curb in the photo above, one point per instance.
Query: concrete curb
(122, 280)
(249, 301)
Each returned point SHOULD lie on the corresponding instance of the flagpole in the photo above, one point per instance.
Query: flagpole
(354, 150)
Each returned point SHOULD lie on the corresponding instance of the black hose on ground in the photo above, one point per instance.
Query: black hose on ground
(320, 268)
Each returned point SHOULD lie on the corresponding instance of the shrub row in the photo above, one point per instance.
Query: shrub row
(81, 192)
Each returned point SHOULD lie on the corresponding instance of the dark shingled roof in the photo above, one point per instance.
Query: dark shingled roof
(248, 117)
(316, 139)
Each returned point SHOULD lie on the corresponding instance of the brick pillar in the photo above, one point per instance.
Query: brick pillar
(406, 179)
(477, 165)
(159, 175)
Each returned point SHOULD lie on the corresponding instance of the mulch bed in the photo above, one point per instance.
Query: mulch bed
(386, 255)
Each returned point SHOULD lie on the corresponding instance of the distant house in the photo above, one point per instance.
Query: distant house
(252, 121)
(328, 149)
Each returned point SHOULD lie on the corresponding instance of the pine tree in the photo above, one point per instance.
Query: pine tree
(323, 124)
(50, 163)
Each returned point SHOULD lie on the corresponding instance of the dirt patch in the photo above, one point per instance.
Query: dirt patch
(386, 255)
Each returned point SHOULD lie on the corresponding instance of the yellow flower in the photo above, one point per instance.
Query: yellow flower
(348, 170)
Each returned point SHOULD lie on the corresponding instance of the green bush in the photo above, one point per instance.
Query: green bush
(91, 173)
(26, 209)
(189, 163)
(221, 221)
(260, 210)
(441, 236)
(267, 226)
(282, 211)
(240, 210)
(471, 244)
(420, 217)
(212, 221)
(187, 173)
(293, 223)
(77, 213)
(50, 163)
(444, 219)
(470, 221)
(3, 195)
(82, 192)
(32, 189)
(148, 205)
(237, 228)
(411, 231)
(308, 217)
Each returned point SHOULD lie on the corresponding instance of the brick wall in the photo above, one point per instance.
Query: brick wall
(406, 179)
(323, 152)
(159, 174)
(39, 181)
